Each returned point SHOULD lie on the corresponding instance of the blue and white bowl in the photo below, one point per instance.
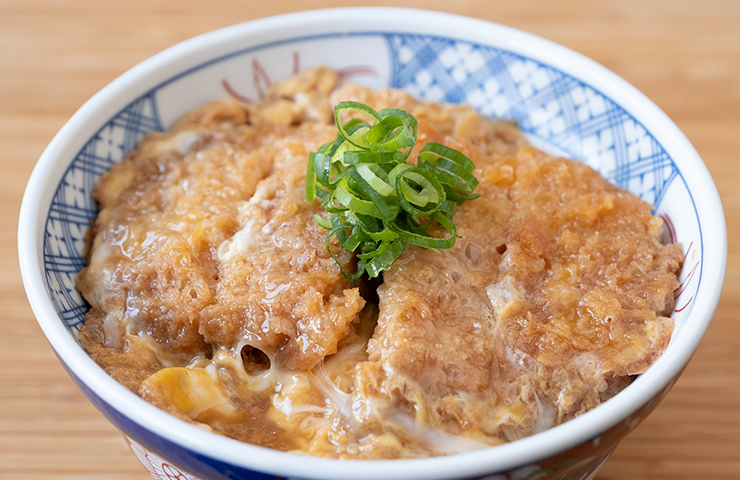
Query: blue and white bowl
(564, 103)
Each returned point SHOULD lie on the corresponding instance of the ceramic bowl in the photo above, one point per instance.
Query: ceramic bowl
(564, 103)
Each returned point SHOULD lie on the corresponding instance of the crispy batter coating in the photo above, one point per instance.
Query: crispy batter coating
(214, 297)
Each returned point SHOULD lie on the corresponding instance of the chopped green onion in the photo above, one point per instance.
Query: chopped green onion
(344, 195)
(322, 222)
(383, 257)
(376, 178)
(405, 116)
(416, 188)
(452, 167)
(367, 157)
(427, 241)
(373, 188)
(311, 178)
(350, 131)
(378, 202)
(389, 135)
(351, 276)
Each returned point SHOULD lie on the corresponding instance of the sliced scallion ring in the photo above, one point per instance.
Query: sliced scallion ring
(419, 192)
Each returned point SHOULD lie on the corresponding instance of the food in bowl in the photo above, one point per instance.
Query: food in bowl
(215, 298)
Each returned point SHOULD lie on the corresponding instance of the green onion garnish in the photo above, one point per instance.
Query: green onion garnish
(378, 202)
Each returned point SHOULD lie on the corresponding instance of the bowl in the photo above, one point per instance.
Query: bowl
(564, 103)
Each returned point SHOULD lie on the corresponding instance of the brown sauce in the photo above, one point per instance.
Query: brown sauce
(213, 295)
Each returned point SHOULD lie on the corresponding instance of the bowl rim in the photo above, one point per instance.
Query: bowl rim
(112, 98)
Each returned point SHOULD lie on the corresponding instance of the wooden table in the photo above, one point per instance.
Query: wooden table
(685, 55)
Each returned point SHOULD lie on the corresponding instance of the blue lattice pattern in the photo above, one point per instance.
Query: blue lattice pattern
(72, 208)
(547, 103)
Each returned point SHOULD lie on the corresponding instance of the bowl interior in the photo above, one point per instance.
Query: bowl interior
(563, 102)
(557, 111)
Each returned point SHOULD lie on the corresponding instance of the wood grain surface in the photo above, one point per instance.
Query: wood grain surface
(684, 55)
